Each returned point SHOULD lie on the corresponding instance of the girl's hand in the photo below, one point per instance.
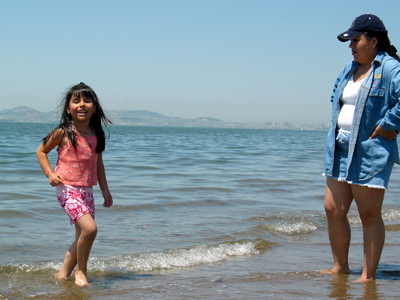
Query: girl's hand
(108, 200)
(55, 179)
(389, 135)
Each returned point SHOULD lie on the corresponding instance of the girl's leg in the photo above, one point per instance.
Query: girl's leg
(70, 259)
(338, 198)
(88, 232)
(369, 202)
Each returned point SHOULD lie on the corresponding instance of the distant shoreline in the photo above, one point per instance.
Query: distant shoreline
(24, 114)
(55, 123)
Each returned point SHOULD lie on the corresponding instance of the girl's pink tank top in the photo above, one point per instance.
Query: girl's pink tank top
(78, 166)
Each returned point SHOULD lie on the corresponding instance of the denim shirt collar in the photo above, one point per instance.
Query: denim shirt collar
(375, 63)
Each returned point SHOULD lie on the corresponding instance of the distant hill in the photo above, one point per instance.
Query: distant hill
(136, 117)
(120, 117)
(146, 118)
(27, 114)
(209, 119)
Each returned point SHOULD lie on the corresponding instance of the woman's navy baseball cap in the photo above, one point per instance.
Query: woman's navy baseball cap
(362, 24)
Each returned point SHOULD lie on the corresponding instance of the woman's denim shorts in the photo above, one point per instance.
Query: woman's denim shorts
(339, 172)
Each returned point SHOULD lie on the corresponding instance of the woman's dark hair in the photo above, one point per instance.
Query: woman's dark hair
(98, 118)
(383, 43)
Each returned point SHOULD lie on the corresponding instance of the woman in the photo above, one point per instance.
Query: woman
(361, 145)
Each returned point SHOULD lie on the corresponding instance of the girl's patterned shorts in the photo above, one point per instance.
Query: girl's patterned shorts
(76, 201)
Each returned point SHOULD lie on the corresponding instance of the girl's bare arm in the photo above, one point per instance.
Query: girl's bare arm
(101, 178)
(41, 153)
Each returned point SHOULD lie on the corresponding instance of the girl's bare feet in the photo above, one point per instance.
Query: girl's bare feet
(80, 279)
(59, 276)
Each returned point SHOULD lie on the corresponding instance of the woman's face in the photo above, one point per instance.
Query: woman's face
(363, 50)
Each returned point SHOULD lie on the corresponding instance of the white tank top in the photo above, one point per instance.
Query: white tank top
(348, 100)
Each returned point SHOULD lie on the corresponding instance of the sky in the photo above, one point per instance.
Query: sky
(237, 61)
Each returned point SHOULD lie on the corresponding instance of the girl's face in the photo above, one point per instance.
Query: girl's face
(80, 108)
(363, 50)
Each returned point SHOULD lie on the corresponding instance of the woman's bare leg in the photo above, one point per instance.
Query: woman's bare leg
(338, 199)
(369, 202)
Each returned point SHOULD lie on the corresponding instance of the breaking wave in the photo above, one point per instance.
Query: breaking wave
(144, 262)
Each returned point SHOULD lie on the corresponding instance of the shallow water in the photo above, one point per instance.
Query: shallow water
(198, 213)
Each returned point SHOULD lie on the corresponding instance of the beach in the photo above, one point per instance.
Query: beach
(201, 213)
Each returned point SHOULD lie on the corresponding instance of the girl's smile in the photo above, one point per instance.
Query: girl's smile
(81, 109)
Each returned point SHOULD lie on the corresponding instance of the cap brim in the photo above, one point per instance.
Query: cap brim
(348, 35)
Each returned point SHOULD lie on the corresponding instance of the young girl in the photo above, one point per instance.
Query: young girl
(81, 141)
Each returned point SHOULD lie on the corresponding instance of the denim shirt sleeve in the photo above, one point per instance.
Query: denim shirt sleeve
(391, 72)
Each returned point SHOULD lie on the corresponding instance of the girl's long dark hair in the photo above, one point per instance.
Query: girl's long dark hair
(98, 118)
(383, 43)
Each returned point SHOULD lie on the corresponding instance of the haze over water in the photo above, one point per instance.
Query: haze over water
(198, 213)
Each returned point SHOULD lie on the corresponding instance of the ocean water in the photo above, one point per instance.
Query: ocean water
(198, 213)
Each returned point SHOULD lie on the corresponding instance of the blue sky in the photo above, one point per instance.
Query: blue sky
(244, 61)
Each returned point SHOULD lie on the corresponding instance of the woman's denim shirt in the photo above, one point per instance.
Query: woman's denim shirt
(377, 104)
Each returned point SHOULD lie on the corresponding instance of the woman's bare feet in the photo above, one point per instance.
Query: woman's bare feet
(362, 279)
(333, 271)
